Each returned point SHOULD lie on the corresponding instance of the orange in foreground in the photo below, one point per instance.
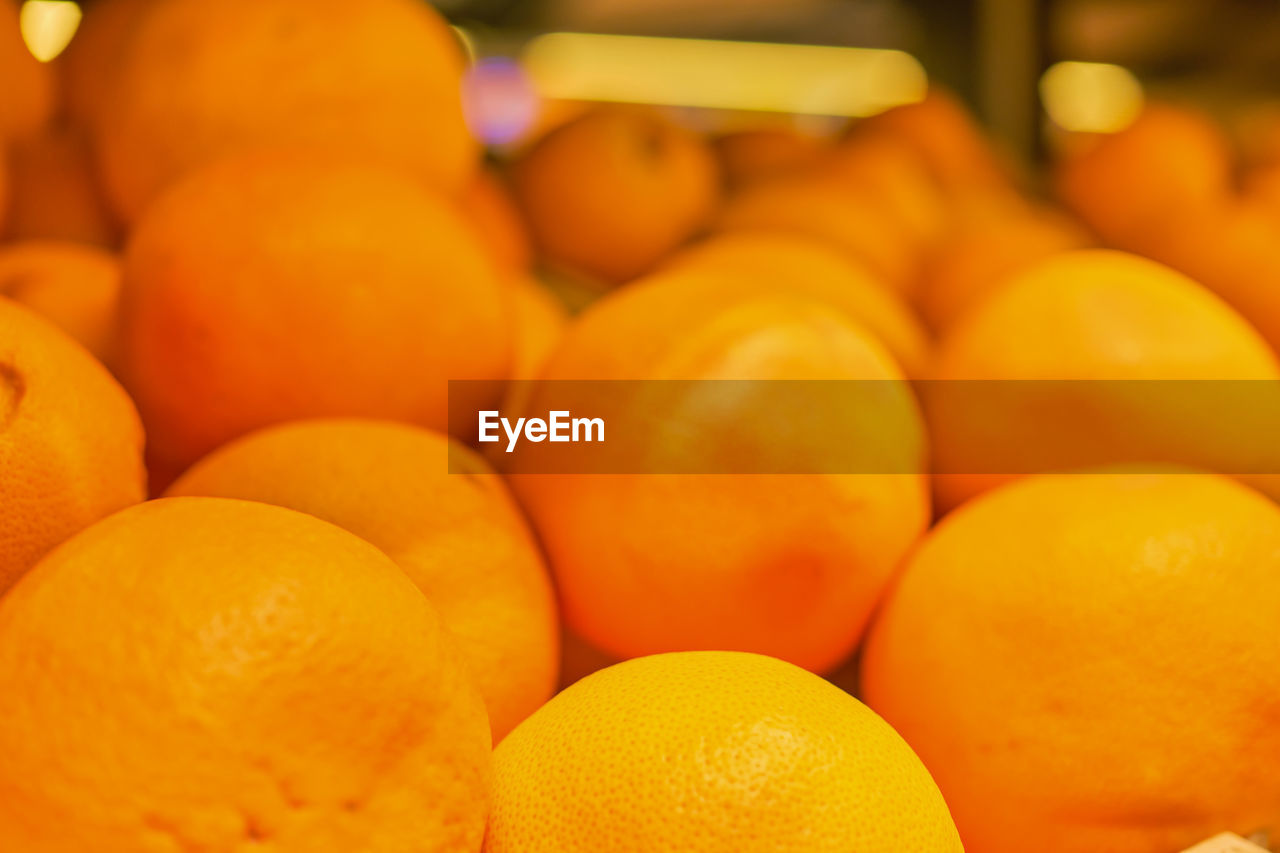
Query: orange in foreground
(74, 286)
(1090, 662)
(611, 193)
(70, 441)
(200, 81)
(281, 286)
(711, 752)
(457, 536)
(199, 673)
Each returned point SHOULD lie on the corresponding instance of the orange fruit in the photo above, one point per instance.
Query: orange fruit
(737, 266)
(74, 286)
(979, 255)
(1127, 184)
(29, 91)
(88, 65)
(456, 535)
(711, 751)
(70, 441)
(487, 204)
(1085, 315)
(55, 192)
(761, 153)
(540, 322)
(609, 194)
(201, 673)
(652, 556)
(281, 286)
(380, 79)
(1069, 653)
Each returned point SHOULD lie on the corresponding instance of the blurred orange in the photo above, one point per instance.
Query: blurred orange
(55, 191)
(614, 191)
(487, 204)
(88, 67)
(28, 86)
(201, 80)
(74, 286)
(767, 152)
(540, 322)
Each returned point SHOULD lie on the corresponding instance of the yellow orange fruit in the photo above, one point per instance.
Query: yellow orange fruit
(200, 81)
(29, 90)
(87, 68)
(54, 191)
(741, 265)
(280, 286)
(76, 287)
(1085, 315)
(201, 673)
(70, 441)
(1069, 653)
(610, 193)
(652, 556)
(457, 536)
(487, 204)
(707, 752)
(767, 152)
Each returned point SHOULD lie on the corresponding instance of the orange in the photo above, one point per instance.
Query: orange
(540, 322)
(70, 441)
(652, 556)
(487, 204)
(74, 286)
(200, 81)
(281, 286)
(979, 255)
(609, 194)
(767, 152)
(87, 68)
(711, 752)
(29, 90)
(737, 266)
(1069, 654)
(1127, 184)
(819, 209)
(1086, 315)
(55, 192)
(456, 535)
(201, 673)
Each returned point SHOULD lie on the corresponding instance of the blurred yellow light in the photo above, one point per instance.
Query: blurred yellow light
(48, 25)
(1091, 97)
(792, 78)
(466, 41)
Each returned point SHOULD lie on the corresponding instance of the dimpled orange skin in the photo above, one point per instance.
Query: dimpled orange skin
(201, 81)
(55, 192)
(243, 676)
(779, 564)
(711, 752)
(282, 286)
(1084, 315)
(1089, 661)
(70, 441)
(74, 286)
(612, 192)
(458, 537)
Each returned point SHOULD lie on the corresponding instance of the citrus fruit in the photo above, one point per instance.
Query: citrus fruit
(487, 204)
(711, 751)
(1068, 654)
(760, 153)
(201, 673)
(540, 321)
(457, 536)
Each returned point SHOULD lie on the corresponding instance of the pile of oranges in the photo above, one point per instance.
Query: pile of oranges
(255, 597)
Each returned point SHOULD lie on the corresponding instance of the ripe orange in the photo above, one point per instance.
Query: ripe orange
(1085, 315)
(55, 192)
(711, 751)
(201, 81)
(612, 192)
(1127, 184)
(742, 265)
(540, 322)
(783, 564)
(761, 153)
(29, 91)
(457, 536)
(76, 287)
(281, 286)
(87, 68)
(200, 673)
(70, 442)
(487, 204)
(1069, 654)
